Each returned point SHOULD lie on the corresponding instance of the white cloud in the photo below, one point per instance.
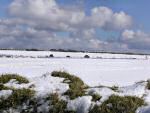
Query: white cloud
(101, 15)
(128, 34)
(47, 13)
(35, 24)
(107, 19)
(31, 8)
(136, 39)
(121, 20)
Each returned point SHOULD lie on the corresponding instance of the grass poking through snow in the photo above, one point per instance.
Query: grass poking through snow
(7, 77)
(57, 105)
(114, 88)
(25, 97)
(118, 104)
(17, 98)
(2, 87)
(76, 85)
(96, 97)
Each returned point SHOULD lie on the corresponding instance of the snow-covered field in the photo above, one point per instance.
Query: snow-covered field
(38, 54)
(93, 72)
(100, 69)
(117, 69)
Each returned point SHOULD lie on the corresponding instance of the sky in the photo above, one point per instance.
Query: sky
(94, 25)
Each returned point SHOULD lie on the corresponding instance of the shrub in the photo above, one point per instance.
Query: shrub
(148, 84)
(118, 104)
(51, 55)
(86, 56)
(67, 56)
(7, 77)
(76, 85)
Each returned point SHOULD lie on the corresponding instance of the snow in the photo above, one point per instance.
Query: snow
(71, 54)
(144, 110)
(93, 72)
(47, 84)
(104, 92)
(147, 97)
(81, 104)
(138, 90)
(43, 85)
(14, 84)
(5, 93)
(106, 70)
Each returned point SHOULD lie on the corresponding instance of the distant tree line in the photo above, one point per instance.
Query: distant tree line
(71, 50)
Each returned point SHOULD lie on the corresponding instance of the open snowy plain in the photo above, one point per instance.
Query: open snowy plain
(101, 69)
(93, 72)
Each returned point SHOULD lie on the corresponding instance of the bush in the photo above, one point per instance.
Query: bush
(86, 56)
(67, 56)
(51, 55)
(7, 77)
(76, 85)
(148, 84)
(118, 104)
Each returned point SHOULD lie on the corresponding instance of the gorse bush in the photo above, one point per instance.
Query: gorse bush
(76, 85)
(118, 104)
(7, 77)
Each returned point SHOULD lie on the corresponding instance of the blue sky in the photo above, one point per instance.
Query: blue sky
(136, 9)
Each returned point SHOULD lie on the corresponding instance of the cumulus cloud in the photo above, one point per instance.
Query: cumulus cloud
(46, 14)
(106, 18)
(128, 34)
(120, 21)
(49, 13)
(136, 39)
(27, 37)
(36, 24)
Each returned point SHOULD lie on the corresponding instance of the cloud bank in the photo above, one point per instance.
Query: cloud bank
(44, 24)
